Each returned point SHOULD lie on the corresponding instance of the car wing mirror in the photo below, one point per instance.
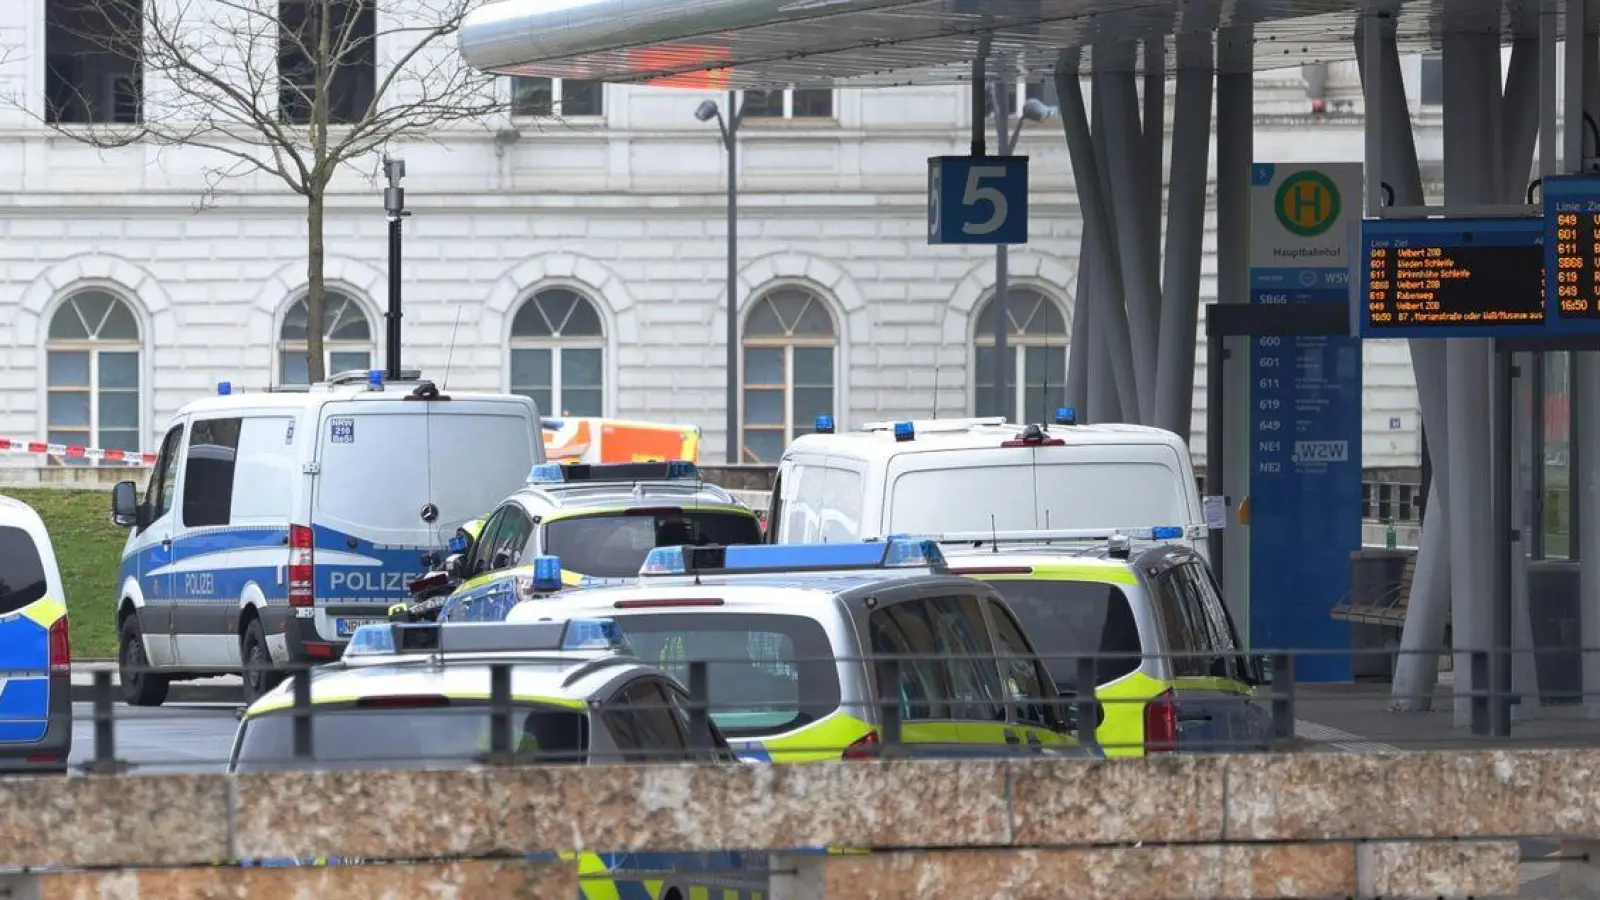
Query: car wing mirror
(500, 560)
(455, 565)
(125, 504)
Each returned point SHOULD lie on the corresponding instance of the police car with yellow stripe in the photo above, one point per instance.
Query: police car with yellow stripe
(828, 651)
(1146, 615)
(35, 655)
(600, 521)
(423, 696)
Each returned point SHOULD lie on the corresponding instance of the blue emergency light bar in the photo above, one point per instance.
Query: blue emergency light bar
(824, 425)
(486, 637)
(547, 573)
(458, 544)
(580, 473)
(904, 431)
(751, 558)
(224, 388)
(1066, 415)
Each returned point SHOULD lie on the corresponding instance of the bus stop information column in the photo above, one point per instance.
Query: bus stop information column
(1305, 429)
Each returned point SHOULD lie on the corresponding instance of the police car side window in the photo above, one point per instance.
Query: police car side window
(483, 550)
(644, 722)
(158, 496)
(1024, 676)
(963, 640)
(1183, 620)
(518, 528)
(902, 631)
(1216, 618)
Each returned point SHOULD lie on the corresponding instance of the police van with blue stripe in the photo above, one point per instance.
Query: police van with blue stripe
(35, 654)
(275, 524)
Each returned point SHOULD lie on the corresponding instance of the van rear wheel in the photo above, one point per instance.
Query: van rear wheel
(259, 675)
(140, 685)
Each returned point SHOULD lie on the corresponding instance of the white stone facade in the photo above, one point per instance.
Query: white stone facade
(627, 210)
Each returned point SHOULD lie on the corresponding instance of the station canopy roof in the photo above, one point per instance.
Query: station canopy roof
(727, 44)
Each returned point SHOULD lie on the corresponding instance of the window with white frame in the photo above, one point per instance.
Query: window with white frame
(561, 98)
(346, 339)
(788, 103)
(92, 373)
(1036, 357)
(789, 346)
(558, 353)
(1020, 93)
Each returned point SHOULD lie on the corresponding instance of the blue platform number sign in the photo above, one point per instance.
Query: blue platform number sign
(978, 200)
(1305, 418)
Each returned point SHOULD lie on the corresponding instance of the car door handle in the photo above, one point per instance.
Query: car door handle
(1195, 717)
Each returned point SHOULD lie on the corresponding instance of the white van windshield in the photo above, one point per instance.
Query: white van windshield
(1027, 498)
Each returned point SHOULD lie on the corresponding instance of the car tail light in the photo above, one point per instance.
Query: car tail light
(1161, 723)
(301, 590)
(60, 648)
(865, 747)
(1043, 442)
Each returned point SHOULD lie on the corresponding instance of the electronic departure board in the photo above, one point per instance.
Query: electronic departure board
(1434, 278)
(1572, 252)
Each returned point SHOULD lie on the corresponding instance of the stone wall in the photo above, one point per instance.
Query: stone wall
(1309, 825)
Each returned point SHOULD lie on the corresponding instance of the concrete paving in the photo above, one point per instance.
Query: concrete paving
(170, 739)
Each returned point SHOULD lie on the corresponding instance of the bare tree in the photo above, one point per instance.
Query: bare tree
(294, 89)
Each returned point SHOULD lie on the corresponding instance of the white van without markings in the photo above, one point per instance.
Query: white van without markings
(970, 476)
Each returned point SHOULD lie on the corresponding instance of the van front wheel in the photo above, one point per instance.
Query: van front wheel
(259, 675)
(141, 686)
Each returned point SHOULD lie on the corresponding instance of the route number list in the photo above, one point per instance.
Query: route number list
(1578, 265)
(1413, 284)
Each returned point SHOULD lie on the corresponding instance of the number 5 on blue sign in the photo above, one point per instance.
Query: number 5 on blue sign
(978, 200)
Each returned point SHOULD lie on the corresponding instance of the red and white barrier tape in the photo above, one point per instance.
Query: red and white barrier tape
(73, 451)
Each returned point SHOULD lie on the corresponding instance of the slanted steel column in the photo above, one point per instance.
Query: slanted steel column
(1472, 170)
(1113, 85)
(1106, 383)
(1108, 318)
(1155, 133)
(1079, 339)
(1186, 232)
(1395, 163)
(1235, 152)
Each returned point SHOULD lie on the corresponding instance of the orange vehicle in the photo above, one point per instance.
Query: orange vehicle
(590, 439)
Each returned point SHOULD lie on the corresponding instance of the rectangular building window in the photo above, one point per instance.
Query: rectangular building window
(346, 62)
(1431, 85)
(790, 103)
(93, 64)
(561, 98)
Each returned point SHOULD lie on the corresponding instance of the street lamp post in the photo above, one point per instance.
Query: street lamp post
(1032, 111)
(394, 202)
(729, 129)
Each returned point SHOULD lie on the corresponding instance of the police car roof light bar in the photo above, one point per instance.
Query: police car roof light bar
(760, 558)
(1078, 535)
(670, 470)
(486, 637)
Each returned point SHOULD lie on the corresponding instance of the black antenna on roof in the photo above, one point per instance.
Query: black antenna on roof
(450, 357)
(1044, 398)
(994, 535)
(936, 386)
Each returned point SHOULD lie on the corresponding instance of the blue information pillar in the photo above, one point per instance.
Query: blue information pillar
(1305, 418)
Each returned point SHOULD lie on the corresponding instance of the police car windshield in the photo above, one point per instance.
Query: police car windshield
(767, 673)
(344, 736)
(1067, 620)
(615, 544)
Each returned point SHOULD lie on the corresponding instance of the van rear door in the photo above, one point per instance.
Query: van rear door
(1112, 486)
(30, 606)
(395, 480)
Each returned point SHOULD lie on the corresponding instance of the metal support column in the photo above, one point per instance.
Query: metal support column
(1108, 317)
(1392, 160)
(1583, 68)
(394, 203)
(1228, 453)
(1005, 138)
(1186, 230)
(1113, 81)
(1471, 142)
(1154, 122)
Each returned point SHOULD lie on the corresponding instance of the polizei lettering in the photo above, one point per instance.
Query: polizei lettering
(356, 580)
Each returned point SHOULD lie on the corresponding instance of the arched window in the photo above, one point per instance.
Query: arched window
(558, 353)
(346, 338)
(92, 372)
(1036, 357)
(789, 342)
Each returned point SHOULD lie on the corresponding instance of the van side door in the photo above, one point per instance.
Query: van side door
(152, 548)
(1203, 695)
(205, 550)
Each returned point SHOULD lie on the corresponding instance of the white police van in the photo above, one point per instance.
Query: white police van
(983, 476)
(275, 524)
